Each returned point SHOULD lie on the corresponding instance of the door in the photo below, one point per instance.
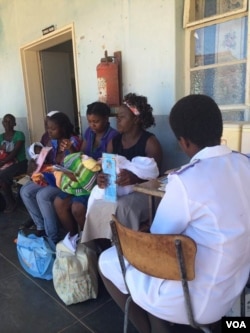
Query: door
(36, 80)
(57, 83)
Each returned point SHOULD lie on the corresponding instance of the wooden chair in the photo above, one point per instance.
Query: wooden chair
(170, 257)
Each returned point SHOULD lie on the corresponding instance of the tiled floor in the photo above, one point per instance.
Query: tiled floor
(29, 305)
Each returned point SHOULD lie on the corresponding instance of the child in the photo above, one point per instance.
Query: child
(39, 177)
(5, 149)
(35, 149)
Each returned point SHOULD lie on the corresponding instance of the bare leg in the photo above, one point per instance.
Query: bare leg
(79, 213)
(63, 211)
(161, 326)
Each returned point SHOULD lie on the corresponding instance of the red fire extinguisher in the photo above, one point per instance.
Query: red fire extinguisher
(108, 80)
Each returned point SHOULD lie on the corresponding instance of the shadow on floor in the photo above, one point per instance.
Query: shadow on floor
(31, 305)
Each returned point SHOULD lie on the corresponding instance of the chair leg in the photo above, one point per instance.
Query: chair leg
(205, 329)
(126, 310)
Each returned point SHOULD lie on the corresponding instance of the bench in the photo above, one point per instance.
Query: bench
(18, 181)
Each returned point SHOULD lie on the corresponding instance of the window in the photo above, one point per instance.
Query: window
(217, 37)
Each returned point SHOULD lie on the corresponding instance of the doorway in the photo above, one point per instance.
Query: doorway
(49, 69)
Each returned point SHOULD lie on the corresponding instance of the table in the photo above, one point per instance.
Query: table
(151, 188)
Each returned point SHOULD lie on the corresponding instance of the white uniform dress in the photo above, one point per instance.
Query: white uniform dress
(208, 200)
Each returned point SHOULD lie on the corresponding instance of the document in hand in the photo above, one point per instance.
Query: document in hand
(109, 168)
(41, 158)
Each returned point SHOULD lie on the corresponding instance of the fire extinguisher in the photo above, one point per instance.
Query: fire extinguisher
(108, 80)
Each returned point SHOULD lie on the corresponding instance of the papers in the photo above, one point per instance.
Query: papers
(24, 180)
(41, 158)
(109, 168)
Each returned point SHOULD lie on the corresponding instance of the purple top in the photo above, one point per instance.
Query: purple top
(89, 136)
(51, 157)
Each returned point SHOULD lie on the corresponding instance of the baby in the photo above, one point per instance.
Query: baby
(5, 148)
(39, 177)
(34, 150)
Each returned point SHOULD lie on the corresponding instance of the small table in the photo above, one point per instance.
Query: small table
(151, 188)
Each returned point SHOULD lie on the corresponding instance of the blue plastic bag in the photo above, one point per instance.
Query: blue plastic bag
(36, 255)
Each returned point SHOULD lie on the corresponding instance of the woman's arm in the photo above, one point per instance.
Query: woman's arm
(83, 146)
(13, 154)
(154, 150)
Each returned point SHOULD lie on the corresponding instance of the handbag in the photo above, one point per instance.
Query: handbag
(75, 276)
(36, 255)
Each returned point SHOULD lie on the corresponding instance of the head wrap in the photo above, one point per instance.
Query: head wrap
(132, 109)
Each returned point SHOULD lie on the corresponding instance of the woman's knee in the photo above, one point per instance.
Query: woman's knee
(78, 210)
(25, 191)
(61, 204)
(47, 194)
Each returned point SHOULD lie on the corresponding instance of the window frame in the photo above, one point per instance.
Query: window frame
(190, 28)
(188, 4)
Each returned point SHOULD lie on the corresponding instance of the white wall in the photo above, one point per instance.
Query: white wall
(148, 33)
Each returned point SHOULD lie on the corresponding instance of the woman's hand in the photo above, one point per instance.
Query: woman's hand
(65, 144)
(102, 180)
(126, 177)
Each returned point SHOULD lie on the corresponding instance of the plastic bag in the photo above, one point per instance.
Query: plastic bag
(36, 255)
(75, 276)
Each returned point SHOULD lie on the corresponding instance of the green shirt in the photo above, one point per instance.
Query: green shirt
(18, 136)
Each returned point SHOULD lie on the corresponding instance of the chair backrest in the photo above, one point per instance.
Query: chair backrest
(156, 255)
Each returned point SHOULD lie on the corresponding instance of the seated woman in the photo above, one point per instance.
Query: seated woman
(71, 209)
(14, 163)
(39, 199)
(199, 202)
(32, 163)
(133, 118)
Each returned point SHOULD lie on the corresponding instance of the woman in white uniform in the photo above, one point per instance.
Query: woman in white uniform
(207, 200)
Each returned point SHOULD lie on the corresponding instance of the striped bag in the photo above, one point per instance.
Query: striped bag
(85, 176)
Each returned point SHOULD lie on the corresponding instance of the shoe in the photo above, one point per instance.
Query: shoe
(27, 225)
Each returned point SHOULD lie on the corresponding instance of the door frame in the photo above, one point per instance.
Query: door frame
(33, 78)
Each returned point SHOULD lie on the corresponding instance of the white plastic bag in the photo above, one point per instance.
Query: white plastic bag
(75, 276)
